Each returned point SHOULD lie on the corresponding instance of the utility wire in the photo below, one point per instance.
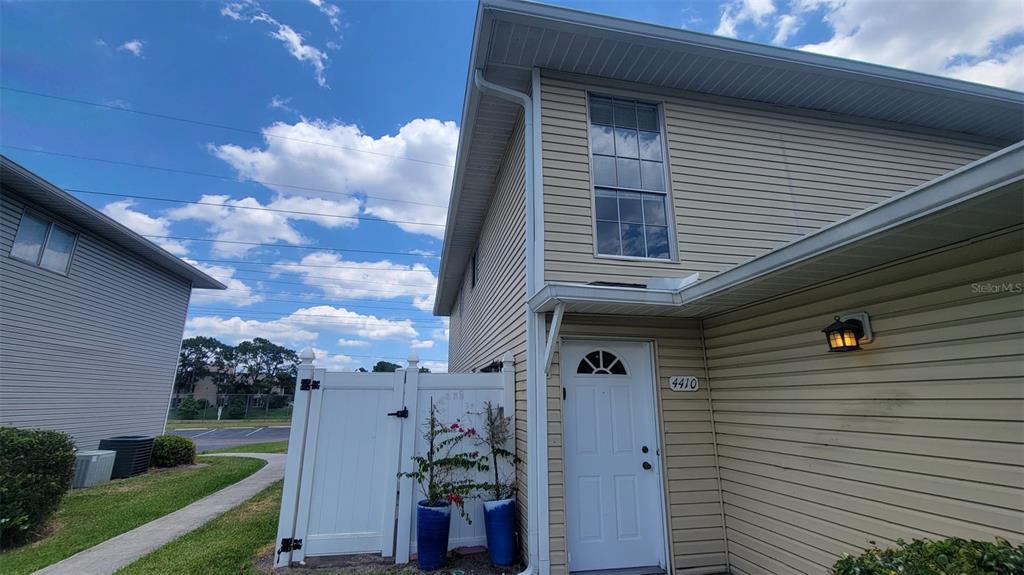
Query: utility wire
(337, 303)
(319, 248)
(261, 209)
(220, 126)
(332, 302)
(399, 284)
(329, 319)
(335, 278)
(214, 176)
(282, 264)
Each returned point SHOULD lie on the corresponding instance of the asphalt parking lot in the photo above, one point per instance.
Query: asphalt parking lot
(219, 438)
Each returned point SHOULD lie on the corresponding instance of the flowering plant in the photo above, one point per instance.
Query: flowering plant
(443, 473)
(496, 436)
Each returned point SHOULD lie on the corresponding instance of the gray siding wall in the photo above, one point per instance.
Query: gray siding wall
(744, 179)
(920, 434)
(488, 318)
(92, 353)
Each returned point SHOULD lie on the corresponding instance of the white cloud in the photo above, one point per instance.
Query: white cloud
(738, 12)
(238, 293)
(947, 37)
(435, 366)
(353, 343)
(144, 224)
(442, 333)
(332, 12)
(279, 103)
(333, 362)
(337, 156)
(235, 329)
(250, 11)
(303, 325)
(421, 344)
(382, 279)
(261, 226)
(785, 26)
(133, 46)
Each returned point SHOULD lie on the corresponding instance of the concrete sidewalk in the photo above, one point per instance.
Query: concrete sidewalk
(115, 553)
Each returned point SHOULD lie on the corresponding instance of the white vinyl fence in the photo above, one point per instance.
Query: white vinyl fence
(351, 434)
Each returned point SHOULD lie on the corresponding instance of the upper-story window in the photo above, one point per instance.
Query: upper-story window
(43, 243)
(629, 179)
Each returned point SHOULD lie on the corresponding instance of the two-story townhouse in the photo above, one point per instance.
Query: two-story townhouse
(661, 223)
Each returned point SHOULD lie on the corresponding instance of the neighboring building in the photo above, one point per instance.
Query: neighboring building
(91, 316)
(633, 203)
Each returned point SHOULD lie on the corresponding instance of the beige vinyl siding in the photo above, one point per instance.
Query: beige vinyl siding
(920, 434)
(488, 319)
(696, 538)
(92, 353)
(744, 179)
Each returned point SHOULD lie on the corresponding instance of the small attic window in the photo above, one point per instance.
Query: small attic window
(600, 362)
(42, 243)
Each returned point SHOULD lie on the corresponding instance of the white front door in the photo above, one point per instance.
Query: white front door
(613, 493)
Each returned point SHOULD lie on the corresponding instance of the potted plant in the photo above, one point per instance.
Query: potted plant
(500, 509)
(443, 475)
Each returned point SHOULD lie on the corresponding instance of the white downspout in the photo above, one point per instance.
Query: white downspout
(536, 384)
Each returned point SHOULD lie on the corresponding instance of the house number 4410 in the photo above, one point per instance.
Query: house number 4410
(683, 383)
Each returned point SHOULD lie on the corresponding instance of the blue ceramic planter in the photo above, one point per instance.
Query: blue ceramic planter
(432, 525)
(500, 523)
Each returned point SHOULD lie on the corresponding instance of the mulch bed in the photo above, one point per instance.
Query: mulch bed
(471, 561)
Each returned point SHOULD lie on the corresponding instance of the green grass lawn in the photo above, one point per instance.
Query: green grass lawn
(228, 544)
(268, 447)
(93, 515)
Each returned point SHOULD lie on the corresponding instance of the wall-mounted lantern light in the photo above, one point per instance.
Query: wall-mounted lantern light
(848, 331)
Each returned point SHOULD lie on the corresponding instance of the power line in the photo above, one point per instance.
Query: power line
(307, 266)
(340, 281)
(329, 303)
(215, 176)
(320, 248)
(220, 126)
(329, 319)
(261, 209)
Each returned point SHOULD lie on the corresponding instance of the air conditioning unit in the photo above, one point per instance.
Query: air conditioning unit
(93, 467)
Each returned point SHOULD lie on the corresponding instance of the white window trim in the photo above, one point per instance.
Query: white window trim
(670, 213)
(46, 240)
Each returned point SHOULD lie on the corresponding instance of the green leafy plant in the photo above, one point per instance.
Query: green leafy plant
(443, 473)
(497, 435)
(952, 556)
(236, 408)
(188, 408)
(173, 450)
(35, 473)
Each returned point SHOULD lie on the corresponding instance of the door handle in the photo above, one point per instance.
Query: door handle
(647, 466)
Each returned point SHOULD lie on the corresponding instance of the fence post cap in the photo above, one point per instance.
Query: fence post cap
(413, 359)
(307, 355)
(508, 360)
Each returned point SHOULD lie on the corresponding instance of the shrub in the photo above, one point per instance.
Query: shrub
(172, 450)
(942, 557)
(35, 471)
(188, 408)
(278, 401)
(203, 403)
(236, 408)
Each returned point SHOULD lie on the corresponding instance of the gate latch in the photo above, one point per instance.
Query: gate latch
(403, 413)
(289, 544)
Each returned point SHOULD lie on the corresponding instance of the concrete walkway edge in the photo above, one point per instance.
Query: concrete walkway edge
(117, 552)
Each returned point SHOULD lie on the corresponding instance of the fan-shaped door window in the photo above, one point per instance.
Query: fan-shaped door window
(600, 362)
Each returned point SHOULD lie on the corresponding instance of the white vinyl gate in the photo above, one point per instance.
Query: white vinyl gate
(350, 436)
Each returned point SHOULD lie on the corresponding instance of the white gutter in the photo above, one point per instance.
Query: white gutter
(538, 541)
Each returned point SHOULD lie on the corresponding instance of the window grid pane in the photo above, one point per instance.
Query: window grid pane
(628, 160)
(28, 242)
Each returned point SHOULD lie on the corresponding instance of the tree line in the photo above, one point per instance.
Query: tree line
(253, 366)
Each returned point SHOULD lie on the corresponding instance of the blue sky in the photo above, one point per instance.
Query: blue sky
(349, 109)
